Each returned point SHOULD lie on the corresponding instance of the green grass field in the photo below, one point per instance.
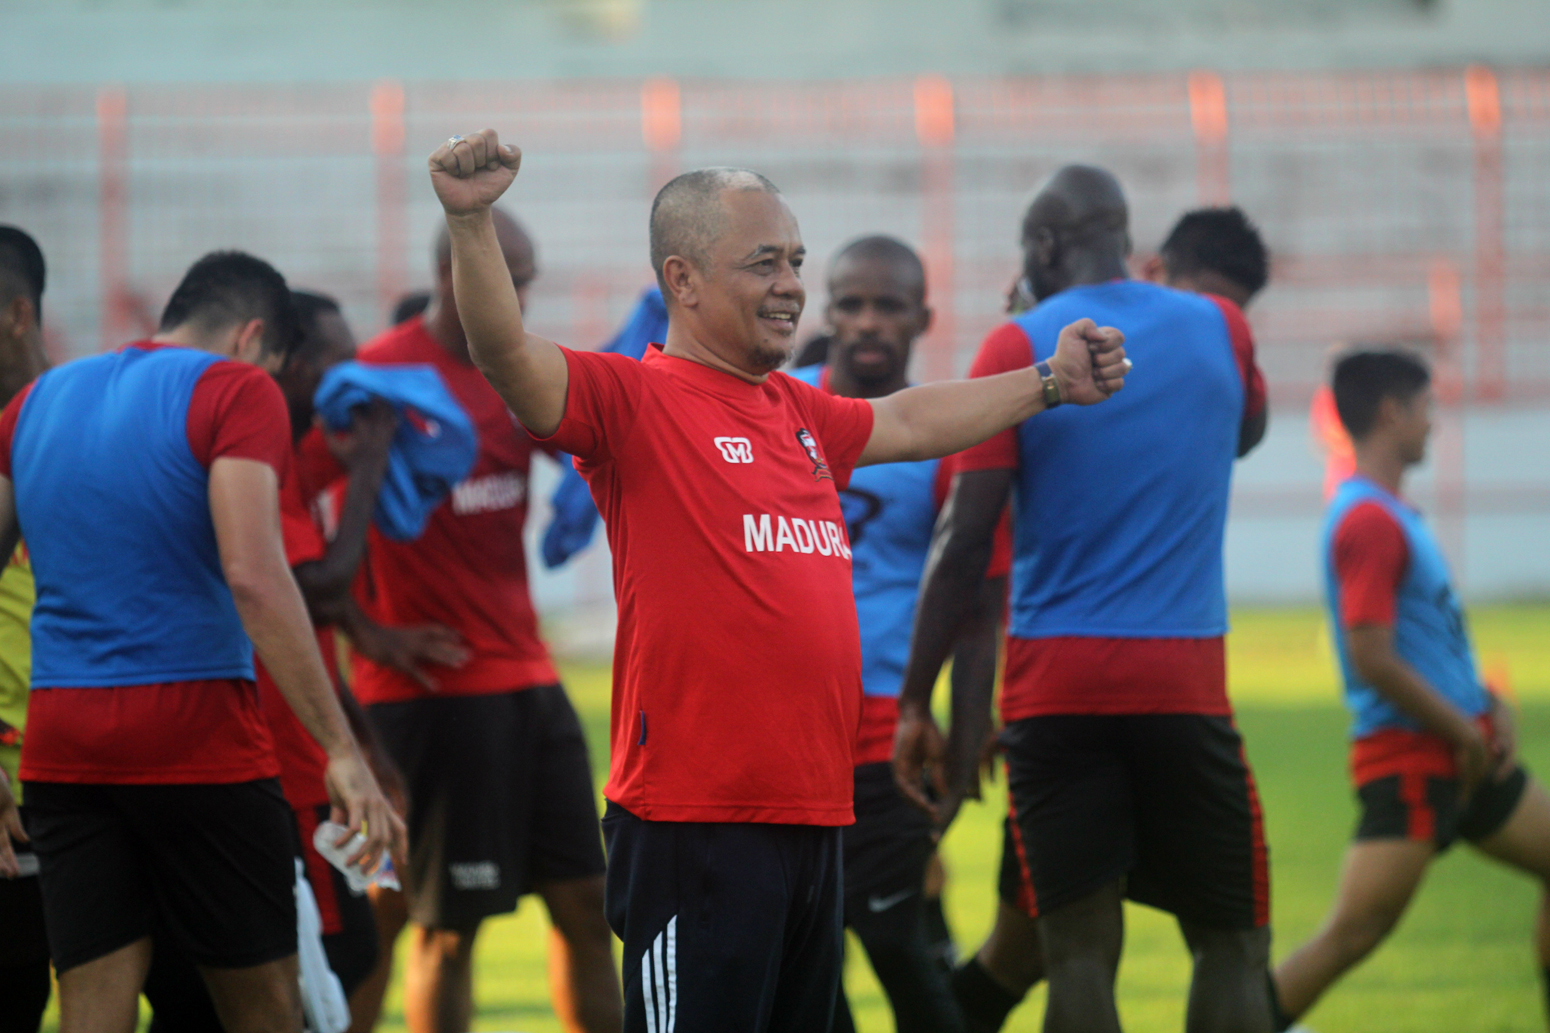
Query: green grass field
(1460, 961)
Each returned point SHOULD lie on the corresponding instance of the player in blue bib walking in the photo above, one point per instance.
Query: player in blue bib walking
(1432, 752)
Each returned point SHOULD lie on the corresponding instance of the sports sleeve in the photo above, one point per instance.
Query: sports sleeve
(1254, 395)
(304, 542)
(1370, 559)
(8, 418)
(842, 426)
(238, 412)
(1006, 348)
(601, 402)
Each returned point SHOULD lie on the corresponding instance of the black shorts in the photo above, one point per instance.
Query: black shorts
(726, 926)
(208, 867)
(1424, 807)
(1165, 802)
(887, 849)
(500, 800)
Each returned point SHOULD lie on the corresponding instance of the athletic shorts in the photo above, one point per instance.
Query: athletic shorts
(1408, 788)
(726, 926)
(207, 867)
(887, 849)
(500, 800)
(1164, 802)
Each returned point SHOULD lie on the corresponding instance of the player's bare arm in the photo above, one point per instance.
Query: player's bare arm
(245, 509)
(936, 420)
(325, 583)
(469, 175)
(973, 684)
(1373, 654)
(951, 588)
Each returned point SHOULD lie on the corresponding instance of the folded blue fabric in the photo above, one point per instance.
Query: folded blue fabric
(575, 514)
(433, 449)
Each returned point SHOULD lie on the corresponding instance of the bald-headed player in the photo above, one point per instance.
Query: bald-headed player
(1126, 775)
(501, 799)
(737, 665)
(877, 309)
(24, 973)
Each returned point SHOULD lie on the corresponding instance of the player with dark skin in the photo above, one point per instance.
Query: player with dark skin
(1073, 233)
(438, 981)
(363, 452)
(876, 311)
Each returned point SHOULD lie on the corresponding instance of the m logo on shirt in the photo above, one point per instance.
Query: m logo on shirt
(810, 446)
(735, 450)
(761, 534)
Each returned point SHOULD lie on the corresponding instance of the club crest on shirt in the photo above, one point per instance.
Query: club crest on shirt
(810, 446)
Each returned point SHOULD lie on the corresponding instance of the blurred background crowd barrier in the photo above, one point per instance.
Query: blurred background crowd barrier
(1402, 207)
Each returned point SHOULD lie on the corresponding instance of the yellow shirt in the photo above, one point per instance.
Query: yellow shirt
(17, 595)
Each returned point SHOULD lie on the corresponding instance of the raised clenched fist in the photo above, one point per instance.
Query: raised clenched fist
(471, 172)
(1089, 362)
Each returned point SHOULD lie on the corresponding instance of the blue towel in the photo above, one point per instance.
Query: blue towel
(575, 514)
(433, 449)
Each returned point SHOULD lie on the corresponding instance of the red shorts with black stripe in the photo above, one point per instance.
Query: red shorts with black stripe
(1407, 784)
(1164, 802)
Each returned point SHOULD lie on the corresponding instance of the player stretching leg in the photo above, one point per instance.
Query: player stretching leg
(146, 481)
(1432, 756)
(1125, 772)
(877, 308)
(737, 672)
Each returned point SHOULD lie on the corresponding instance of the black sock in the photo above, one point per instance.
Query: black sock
(1279, 1020)
(937, 934)
(1547, 990)
(985, 1002)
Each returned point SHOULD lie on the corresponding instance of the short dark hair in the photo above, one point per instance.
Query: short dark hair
(21, 268)
(226, 287)
(310, 307)
(1218, 240)
(883, 248)
(686, 214)
(409, 306)
(1365, 377)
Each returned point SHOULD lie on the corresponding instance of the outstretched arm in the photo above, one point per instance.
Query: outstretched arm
(470, 174)
(936, 420)
(952, 592)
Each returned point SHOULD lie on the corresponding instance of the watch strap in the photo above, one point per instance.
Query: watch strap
(1050, 384)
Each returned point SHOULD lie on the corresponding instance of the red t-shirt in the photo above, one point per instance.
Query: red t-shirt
(302, 760)
(1096, 675)
(1370, 559)
(468, 571)
(209, 731)
(737, 666)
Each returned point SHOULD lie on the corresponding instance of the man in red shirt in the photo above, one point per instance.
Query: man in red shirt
(737, 666)
(147, 483)
(501, 800)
